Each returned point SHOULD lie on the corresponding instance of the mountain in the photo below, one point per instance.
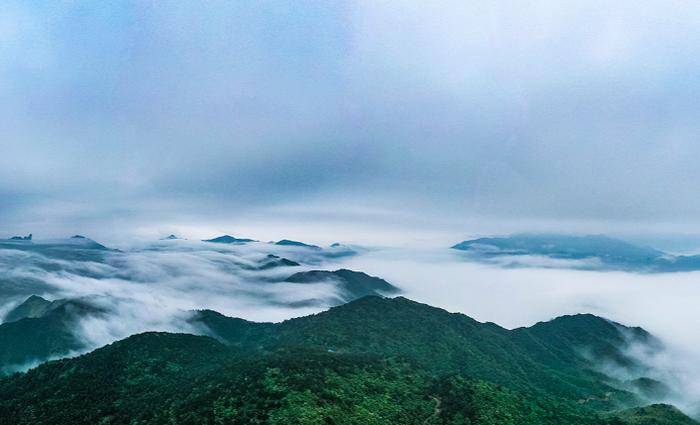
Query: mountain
(229, 240)
(159, 378)
(656, 414)
(351, 284)
(21, 238)
(546, 359)
(336, 250)
(35, 331)
(287, 242)
(581, 252)
(170, 237)
(272, 261)
(32, 307)
(371, 361)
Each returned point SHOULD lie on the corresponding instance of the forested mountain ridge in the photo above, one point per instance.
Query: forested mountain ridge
(533, 359)
(371, 361)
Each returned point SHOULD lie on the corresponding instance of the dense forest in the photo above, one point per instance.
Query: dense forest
(372, 361)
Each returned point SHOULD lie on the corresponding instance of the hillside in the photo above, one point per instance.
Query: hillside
(350, 284)
(372, 361)
(41, 331)
(158, 378)
(529, 359)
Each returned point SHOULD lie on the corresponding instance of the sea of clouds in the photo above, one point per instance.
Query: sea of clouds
(154, 286)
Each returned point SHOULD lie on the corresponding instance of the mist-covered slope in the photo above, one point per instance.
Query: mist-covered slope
(655, 414)
(591, 252)
(350, 284)
(37, 331)
(532, 359)
(373, 360)
(32, 307)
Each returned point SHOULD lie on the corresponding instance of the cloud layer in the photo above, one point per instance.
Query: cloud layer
(136, 115)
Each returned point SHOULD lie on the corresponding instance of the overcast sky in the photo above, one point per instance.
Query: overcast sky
(343, 120)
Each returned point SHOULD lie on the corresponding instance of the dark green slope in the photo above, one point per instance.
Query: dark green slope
(233, 331)
(371, 361)
(599, 338)
(443, 342)
(656, 414)
(32, 340)
(128, 380)
(34, 306)
(159, 378)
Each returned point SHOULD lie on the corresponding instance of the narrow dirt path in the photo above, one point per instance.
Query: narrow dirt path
(436, 411)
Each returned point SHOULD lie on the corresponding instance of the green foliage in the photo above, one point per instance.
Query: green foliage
(545, 360)
(654, 415)
(373, 361)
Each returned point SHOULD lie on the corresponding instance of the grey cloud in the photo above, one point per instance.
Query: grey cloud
(133, 115)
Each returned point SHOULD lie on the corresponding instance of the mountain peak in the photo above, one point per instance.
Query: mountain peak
(352, 284)
(289, 242)
(228, 239)
(32, 307)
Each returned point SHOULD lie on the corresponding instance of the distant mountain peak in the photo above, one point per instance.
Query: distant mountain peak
(34, 306)
(22, 238)
(289, 242)
(169, 238)
(576, 251)
(352, 284)
(85, 242)
(228, 239)
(272, 261)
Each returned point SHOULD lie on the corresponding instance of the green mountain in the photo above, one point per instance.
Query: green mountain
(159, 378)
(654, 415)
(351, 284)
(38, 330)
(371, 361)
(41, 331)
(546, 359)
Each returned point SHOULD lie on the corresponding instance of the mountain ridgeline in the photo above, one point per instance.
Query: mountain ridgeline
(350, 284)
(371, 361)
(593, 252)
(368, 360)
(37, 329)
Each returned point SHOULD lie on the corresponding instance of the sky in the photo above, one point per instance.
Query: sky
(362, 121)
